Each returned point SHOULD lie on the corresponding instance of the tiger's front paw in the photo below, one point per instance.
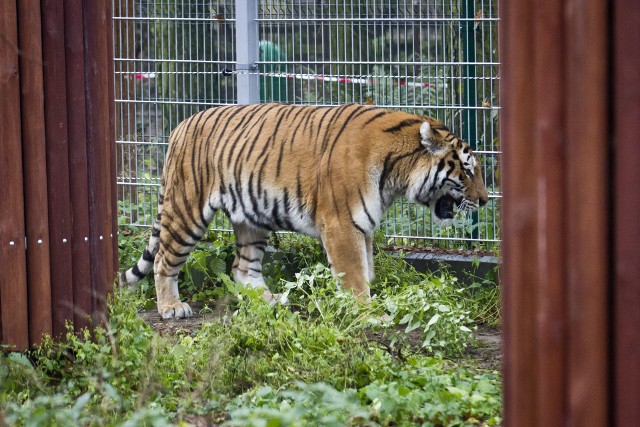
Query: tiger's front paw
(178, 310)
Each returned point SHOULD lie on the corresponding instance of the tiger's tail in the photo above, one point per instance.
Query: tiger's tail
(145, 263)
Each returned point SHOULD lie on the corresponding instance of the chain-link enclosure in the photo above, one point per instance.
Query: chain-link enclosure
(436, 58)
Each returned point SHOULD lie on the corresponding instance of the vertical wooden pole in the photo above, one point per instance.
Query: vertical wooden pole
(549, 147)
(112, 142)
(626, 256)
(519, 215)
(13, 273)
(588, 177)
(556, 212)
(78, 172)
(60, 227)
(98, 108)
(35, 172)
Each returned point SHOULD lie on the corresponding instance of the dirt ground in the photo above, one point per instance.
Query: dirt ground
(487, 354)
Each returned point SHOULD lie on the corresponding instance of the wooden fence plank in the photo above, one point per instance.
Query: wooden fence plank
(568, 302)
(626, 295)
(78, 171)
(519, 217)
(98, 110)
(588, 179)
(60, 227)
(35, 175)
(13, 273)
(550, 158)
(112, 141)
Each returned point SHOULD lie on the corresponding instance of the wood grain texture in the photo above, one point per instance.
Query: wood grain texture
(13, 273)
(626, 294)
(35, 171)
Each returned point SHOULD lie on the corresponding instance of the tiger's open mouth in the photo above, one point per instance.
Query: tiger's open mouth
(444, 208)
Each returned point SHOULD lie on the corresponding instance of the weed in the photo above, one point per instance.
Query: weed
(324, 360)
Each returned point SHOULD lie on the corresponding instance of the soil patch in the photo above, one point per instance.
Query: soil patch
(486, 354)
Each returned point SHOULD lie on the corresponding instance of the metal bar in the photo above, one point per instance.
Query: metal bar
(320, 62)
(78, 172)
(35, 172)
(469, 96)
(247, 51)
(13, 273)
(60, 217)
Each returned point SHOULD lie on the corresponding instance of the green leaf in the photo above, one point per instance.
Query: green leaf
(407, 318)
(433, 320)
(218, 266)
(20, 359)
(412, 326)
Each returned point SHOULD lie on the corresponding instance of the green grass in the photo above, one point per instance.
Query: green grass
(323, 360)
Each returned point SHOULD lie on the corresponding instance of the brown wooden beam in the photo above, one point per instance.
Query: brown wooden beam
(112, 140)
(13, 273)
(626, 252)
(99, 108)
(78, 170)
(556, 208)
(35, 171)
(60, 226)
(550, 158)
(588, 178)
(519, 215)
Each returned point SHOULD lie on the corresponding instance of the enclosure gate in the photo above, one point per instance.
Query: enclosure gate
(58, 248)
(174, 58)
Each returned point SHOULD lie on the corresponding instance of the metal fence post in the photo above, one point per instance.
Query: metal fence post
(469, 130)
(247, 51)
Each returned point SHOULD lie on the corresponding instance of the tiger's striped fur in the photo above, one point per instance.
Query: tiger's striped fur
(329, 172)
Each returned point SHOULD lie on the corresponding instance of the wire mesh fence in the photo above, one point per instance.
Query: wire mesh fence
(437, 58)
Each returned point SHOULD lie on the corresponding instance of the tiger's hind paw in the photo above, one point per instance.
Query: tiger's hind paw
(178, 310)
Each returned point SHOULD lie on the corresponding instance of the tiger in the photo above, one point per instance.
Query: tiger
(329, 172)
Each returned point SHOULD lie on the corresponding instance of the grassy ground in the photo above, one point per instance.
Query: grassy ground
(411, 357)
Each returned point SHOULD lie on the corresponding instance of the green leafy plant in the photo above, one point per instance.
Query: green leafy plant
(201, 274)
(325, 359)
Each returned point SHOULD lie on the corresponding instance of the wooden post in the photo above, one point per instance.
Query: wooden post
(559, 223)
(99, 112)
(111, 142)
(78, 170)
(35, 171)
(626, 205)
(519, 214)
(13, 273)
(587, 144)
(60, 227)
(549, 157)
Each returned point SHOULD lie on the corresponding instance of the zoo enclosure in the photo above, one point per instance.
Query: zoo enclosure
(437, 58)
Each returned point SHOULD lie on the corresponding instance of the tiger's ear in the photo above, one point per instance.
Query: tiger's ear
(428, 140)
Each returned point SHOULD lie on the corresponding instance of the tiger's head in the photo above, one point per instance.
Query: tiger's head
(447, 175)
